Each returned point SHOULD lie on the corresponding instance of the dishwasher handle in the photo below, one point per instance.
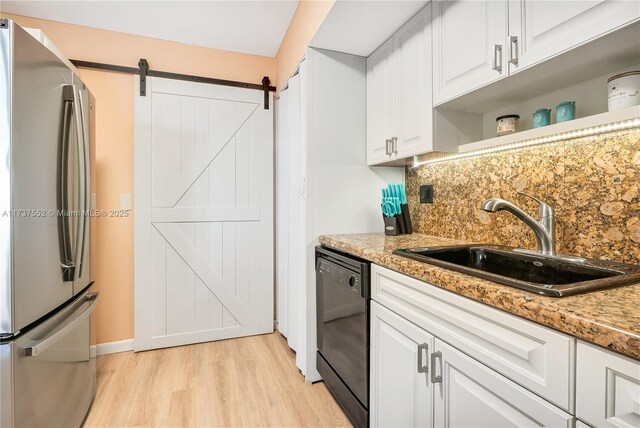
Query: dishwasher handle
(72, 322)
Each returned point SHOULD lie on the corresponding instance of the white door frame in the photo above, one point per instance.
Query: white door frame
(261, 318)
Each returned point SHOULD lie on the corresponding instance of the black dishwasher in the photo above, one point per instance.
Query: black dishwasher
(343, 297)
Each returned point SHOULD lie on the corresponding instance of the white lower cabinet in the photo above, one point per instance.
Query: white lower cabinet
(401, 393)
(438, 359)
(469, 394)
(537, 358)
(608, 388)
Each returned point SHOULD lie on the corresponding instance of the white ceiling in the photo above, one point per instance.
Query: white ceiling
(254, 27)
(358, 27)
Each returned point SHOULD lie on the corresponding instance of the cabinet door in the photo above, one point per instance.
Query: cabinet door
(415, 118)
(470, 394)
(539, 30)
(608, 387)
(400, 387)
(382, 102)
(468, 45)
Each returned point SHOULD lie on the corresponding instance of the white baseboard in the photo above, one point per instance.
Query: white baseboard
(114, 347)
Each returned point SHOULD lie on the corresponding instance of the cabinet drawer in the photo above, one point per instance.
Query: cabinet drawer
(536, 357)
(469, 394)
(608, 387)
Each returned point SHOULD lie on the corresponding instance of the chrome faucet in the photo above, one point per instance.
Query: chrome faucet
(543, 228)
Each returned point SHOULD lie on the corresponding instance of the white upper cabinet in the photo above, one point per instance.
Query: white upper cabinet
(450, 54)
(539, 30)
(400, 387)
(382, 103)
(478, 42)
(399, 102)
(469, 39)
(608, 388)
(415, 118)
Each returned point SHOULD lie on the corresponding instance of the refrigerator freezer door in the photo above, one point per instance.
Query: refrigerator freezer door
(37, 284)
(53, 380)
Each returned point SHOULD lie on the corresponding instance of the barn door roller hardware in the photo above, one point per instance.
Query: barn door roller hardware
(265, 89)
(144, 71)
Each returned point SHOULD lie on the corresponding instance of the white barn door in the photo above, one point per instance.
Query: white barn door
(203, 213)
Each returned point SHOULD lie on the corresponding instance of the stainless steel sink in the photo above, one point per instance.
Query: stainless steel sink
(548, 275)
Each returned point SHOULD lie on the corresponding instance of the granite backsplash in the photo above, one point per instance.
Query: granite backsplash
(593, 183)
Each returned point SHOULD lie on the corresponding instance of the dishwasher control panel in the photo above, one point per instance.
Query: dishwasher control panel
(341, 275)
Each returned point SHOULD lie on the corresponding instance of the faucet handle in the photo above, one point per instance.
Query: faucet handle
(544, 209)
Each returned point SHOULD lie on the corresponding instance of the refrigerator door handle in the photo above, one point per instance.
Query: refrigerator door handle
(67, 326)
(67, 249)
(83, 180)
(79, 182)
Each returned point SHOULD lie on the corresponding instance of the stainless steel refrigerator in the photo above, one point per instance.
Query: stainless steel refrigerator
(47, 370)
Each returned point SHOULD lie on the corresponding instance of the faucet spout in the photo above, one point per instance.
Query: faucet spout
(544, 229)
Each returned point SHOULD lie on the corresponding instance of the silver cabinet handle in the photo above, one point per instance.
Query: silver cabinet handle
(394, 140)
(434, 356)
(71, 323)
(497, 58)
(513, 50)
(423, 349)
(388, 147)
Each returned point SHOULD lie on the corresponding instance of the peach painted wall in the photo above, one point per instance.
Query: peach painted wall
(305, 23)
(113, 266)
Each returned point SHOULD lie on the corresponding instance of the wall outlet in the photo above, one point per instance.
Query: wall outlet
(426, 194)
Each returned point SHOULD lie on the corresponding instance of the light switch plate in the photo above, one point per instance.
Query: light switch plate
(125, 201)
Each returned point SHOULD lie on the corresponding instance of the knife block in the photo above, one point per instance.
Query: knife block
(399, 224)
(406, 219)
(392, 225)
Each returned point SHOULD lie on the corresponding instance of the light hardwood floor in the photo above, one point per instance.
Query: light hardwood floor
(250, 381)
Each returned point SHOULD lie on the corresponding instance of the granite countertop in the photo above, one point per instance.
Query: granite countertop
(609, 318)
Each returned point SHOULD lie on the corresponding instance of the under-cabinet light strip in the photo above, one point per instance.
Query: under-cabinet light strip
(579, 133)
